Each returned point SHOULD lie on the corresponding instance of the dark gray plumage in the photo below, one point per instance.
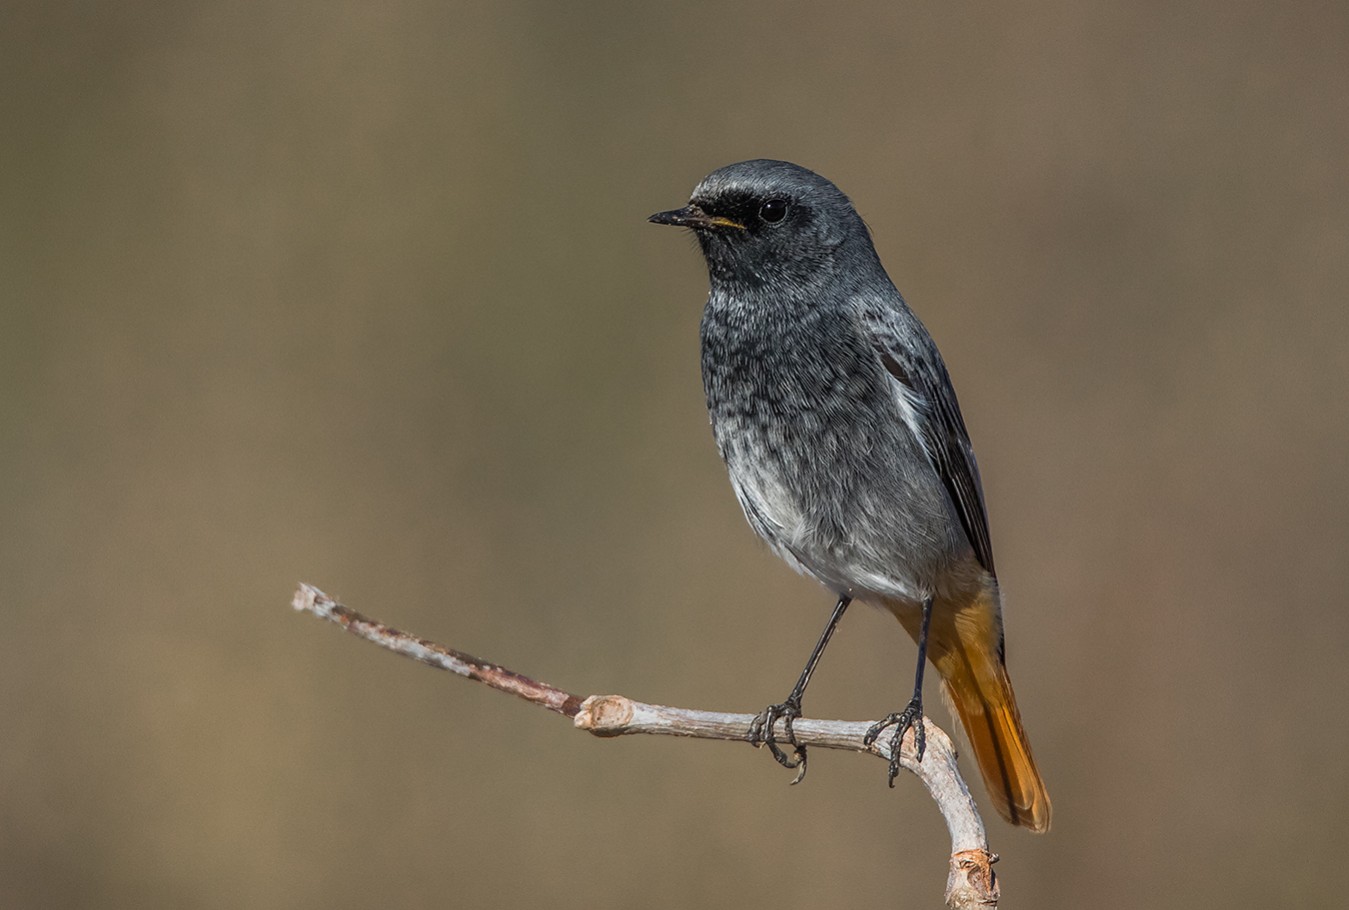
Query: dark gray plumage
(840, 428)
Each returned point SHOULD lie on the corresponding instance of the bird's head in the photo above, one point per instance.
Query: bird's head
(765, 221)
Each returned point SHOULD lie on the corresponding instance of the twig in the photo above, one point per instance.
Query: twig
(970, 882)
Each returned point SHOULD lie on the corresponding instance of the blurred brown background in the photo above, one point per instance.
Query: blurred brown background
(362, 294)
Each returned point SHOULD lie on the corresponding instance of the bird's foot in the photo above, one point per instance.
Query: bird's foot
(901, 721)
(761, 733)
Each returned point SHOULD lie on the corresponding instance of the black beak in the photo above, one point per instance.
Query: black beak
(690, 216)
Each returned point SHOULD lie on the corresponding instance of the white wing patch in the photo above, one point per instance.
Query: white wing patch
(911, 406)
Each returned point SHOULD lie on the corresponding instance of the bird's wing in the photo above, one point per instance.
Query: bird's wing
(909, 355)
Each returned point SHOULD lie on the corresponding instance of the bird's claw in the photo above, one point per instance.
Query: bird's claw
(911, 716)
(761, 733)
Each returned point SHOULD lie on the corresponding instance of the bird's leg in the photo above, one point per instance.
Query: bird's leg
(761, 728)
(912, 715)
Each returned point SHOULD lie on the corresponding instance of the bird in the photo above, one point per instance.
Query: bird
(839, 426)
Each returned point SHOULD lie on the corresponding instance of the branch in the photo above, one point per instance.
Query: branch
(970, 882)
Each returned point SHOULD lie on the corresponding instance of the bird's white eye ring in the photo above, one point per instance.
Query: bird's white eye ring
(773, 211)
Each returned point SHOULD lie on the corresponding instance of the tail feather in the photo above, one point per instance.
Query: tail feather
(992, 723)
(965, 645)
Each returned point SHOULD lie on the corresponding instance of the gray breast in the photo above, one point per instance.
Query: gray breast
(822, 461)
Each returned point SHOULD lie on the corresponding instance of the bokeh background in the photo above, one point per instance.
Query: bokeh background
(363, 295)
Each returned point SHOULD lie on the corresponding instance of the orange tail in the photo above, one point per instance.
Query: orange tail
(964, 646)
(982, 696)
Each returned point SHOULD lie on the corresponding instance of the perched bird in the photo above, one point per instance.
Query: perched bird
(836, 418)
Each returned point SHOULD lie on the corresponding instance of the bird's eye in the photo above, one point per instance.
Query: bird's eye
(773, 211)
